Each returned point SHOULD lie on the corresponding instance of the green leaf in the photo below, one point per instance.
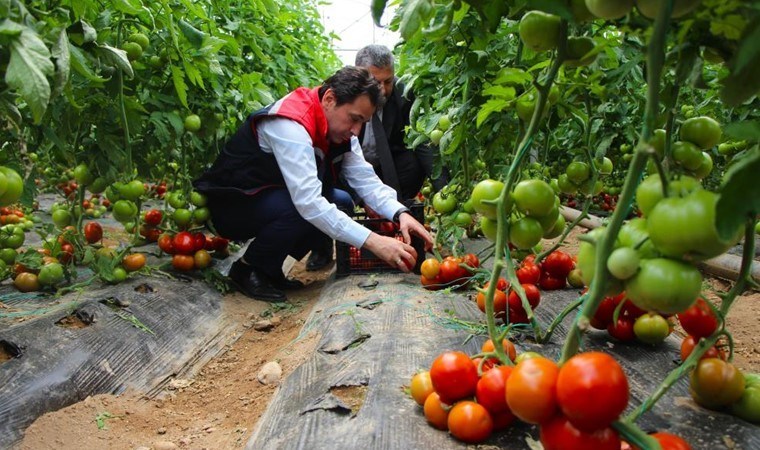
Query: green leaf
(80, 65)
(743, 81)
(28, 69)
(193, 35)
(82, 32)
(62, 61)
(552, 7)
(749, 130)
(117, 57)
(491, 106)
(131, 7)
(193, 74)
(179, 85)
(740, 197)
(503, 92)
(10, 111)
(10, 28)
(378, 7)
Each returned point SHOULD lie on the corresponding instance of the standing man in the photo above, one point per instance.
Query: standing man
(382, 141)
(275, 180)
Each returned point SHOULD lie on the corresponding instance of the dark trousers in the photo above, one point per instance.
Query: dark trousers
(272, 219)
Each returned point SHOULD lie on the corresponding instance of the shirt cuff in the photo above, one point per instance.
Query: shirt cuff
(397, 216)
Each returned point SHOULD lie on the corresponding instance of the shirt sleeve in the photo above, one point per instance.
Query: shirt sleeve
(293, 149)
(362, 178)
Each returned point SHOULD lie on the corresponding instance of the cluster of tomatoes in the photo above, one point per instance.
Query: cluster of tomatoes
(604, 202)
(577, 178)
(506, 300)
(150, 227)
(191, 250)
(188, 213)
(451, 271)
(574, 405)
(632, 322)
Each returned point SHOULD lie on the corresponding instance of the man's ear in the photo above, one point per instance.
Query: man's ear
(328, 98)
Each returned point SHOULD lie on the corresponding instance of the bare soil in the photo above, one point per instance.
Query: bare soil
(220, 406)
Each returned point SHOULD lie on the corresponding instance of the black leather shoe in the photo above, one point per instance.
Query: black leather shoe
(254, 284)
(318, 260)
(286, 284)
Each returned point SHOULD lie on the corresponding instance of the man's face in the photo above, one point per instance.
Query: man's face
(347, 119)
(384, 75)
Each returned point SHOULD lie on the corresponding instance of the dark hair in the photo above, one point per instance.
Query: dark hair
(374, 55)
(349, 83)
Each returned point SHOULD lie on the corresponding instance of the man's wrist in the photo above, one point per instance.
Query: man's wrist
(397, 216)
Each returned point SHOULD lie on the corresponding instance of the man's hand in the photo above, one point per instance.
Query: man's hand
(394, 252)
(409, 225)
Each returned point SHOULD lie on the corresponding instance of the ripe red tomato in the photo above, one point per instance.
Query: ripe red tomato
(501, 285)
(93, 232)
(605, 312)
(220, 243)
(670, 441)
(166, 243)
(67, 253)
(622, 330)
(592, 390)
(558, 264)
(199, 240)
(454, 377)
(560, 434)
(436, 413)
(470, 422)
(551, 283)
(491, 391)
(531, 293)
(528, 273)
(153, 217)
(499, 301)
(184, 243)
(531, 390)
(698, 320)
(471, 260)
(688, 344)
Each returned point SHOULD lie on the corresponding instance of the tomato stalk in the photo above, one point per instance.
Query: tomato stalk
(605, 244)
(635, 436)
(123, 109)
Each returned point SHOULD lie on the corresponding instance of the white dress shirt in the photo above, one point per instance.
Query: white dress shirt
(294, 151)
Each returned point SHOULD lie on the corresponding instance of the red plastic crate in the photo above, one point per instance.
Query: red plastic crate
(352, 260)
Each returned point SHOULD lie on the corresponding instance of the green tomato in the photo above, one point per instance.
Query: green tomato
(565, 185)
(14, 186)
(182, 217)
(201, 215)
(177, 200)
(61, 218)
(132, 190)
(83, 175)
(435, 136)
(664, 285)
(525, 233)
(525, 105)
(444, 122)
(8, 255)
(533, 197)
(133, 49)
(467, 206)
(658, 142)
(489, 228)
(192, 123)
(577, 49)
(50, 274)
(443, 203)
(198, 199)
(748, 405)
(124, 211)
(634, 234)
(141, 39)
(557, 229)
(118, 275)
(703, 131)
(705, 167)
(651, 8)
(685, 227)
(651, 328)
(606, 167)
(578, 172)
(539, 31)
(98, 185)
(623, 263)
(609, 9)
(687, 155)
(486, 191)
(463, 219)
